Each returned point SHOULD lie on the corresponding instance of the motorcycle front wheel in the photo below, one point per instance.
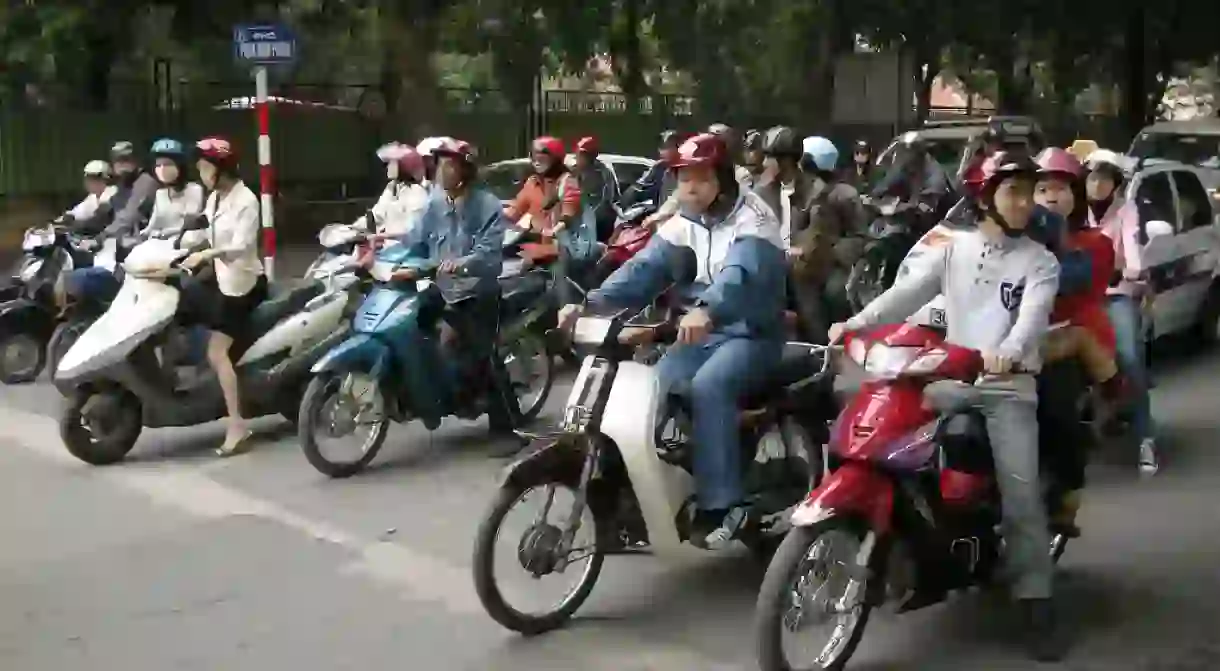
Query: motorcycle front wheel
(336, 405)
(62, 340)
(798, 591)
(100, 426)
(536, 554)
(531, 372)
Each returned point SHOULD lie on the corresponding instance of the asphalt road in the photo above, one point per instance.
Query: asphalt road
(177, 560)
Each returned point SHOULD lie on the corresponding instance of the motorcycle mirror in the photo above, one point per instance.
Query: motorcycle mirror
(684, 265)
(1158, 228)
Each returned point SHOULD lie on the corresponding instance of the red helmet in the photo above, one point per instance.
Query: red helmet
(409, 161)
(704, 149)
(1003, 165)
(218, 151)
(459, 149)
(1056, 161)
(587, 145)
(551, 146)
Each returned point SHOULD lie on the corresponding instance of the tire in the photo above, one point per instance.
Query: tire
(128, 424)
(30, 370)
(483, 567)
(773, 597)
(535, 344)
(321, 388)
(62, 340)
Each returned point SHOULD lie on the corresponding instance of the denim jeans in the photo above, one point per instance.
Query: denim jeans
(714, 376)
(1127, 319)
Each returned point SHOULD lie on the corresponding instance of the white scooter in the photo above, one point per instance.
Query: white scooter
(615, 453)
(123, 378)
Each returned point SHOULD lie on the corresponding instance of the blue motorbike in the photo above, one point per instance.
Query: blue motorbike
(393, 368)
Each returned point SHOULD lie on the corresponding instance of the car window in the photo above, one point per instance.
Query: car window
(627, 173)
(1198, 150)
(504, 180)
(1154, 199)
(1195, 204)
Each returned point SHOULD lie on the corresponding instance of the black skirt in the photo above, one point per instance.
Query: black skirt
(203, 303)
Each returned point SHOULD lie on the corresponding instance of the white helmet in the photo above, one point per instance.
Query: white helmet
(97, 168)
(429, 145)
(1102, 157)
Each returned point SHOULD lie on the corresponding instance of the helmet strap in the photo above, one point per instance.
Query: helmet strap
(993, 215)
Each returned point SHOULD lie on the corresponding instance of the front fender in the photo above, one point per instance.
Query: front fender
(855, 489)
(552, 459)
(27, 316)
(360, 352)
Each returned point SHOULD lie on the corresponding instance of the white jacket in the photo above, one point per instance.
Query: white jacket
(88, 207)
(233, 234)
(399, 209)
(170, 207)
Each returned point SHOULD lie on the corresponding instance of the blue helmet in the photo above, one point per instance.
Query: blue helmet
(821, 152)
(169, 148)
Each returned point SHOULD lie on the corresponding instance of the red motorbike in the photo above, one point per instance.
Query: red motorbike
(627, 239)
(909, 513)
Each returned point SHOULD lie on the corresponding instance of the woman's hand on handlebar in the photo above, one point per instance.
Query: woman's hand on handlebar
(836, 332)
(449, 266)
(195, 260)
(568, 315)
(694, 326)
(995, 363)
(404, 275)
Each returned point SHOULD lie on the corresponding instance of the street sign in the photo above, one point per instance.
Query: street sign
(264, 44)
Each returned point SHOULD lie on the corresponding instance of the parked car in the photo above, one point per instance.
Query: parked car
(504, 178)
(947, 139)
(1195, 142)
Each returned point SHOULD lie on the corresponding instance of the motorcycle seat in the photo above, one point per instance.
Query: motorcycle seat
(288, 299)
(797, 363)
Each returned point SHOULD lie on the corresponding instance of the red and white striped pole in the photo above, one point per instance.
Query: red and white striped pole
(266, 173)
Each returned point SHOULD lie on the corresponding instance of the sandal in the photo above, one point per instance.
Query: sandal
(240, 446)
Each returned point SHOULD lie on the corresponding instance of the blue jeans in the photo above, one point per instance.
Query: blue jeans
(714, 377)
(1127, 319)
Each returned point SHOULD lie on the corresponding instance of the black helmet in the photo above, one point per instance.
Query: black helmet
(753, 141)
(863, 145)
(781, 141)
(671, 138)
(121, 150)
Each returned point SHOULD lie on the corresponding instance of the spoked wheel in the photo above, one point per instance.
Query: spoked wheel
(548, 544)
(814, 582)
(338, 408)
(22, 356)
(531, 372)
(100, 426)
(62, 340)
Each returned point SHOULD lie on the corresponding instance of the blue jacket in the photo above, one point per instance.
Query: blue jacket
(470, 231)
(656, 185)
(1075, 266)
(741, 271)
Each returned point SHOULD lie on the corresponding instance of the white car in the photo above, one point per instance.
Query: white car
(504, 178)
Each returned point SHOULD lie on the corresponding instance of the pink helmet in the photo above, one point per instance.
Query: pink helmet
(1056, 161)
(409, 161)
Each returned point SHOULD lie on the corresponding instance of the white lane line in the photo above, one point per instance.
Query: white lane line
(419, 576)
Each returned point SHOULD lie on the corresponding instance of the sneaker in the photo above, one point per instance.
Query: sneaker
(717, 529)
(1149, 461)
(1043, 636)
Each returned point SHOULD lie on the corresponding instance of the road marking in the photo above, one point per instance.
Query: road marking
(419, 576)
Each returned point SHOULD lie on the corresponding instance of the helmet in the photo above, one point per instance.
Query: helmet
(459, 149)
(821, 152)
(587, 145)
(863, 145)
(121, 150)
(408, 159)
(219, 152)
(994, 133)
(551, 146)
(753, 140)
(428, 145)
(913, 143)
(1081, 149)
(169, 148)
(1103, 159)
(781, 141)
(1056, 161)
(1004, 165)
(96, 168)
(721, 129)
(671, 138)
(705, 149)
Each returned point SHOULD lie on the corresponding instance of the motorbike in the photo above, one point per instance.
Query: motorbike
(623, 455)
(28, 318)
(626, 240)
(911, 495)
(392, 357)
(123, 377)
(890, 237)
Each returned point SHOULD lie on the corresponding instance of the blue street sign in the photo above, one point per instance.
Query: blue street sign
(264, 44)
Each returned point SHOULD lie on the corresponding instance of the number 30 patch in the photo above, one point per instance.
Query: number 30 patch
(938, 317)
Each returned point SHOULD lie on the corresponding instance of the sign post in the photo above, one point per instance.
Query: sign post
(261, 45)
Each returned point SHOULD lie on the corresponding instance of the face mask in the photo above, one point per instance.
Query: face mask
(207, 174)
(167, 174)
(391, 170)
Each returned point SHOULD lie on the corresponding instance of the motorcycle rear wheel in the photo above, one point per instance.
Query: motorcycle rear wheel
(485, 585)
(122, 415)
(775, 602)
(22, 357)
(324, 388)
(529, 343)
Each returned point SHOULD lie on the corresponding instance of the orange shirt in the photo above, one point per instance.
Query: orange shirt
(537, 193)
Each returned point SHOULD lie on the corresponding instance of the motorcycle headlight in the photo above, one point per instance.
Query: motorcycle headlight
(886, 362)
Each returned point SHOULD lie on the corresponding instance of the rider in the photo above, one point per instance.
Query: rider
(999, 288)
(460, 234)
(918, 179)
(600, 189)
(753, 157)
(551, 199)
(732, 338)
(178, 197)
(836, 207)
(405, 197)
(426, 147)
(98, 190)
(223, 299)
(658, 183)
(135, 188)
(743, 175)
(1119, 219)
(860, 174)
